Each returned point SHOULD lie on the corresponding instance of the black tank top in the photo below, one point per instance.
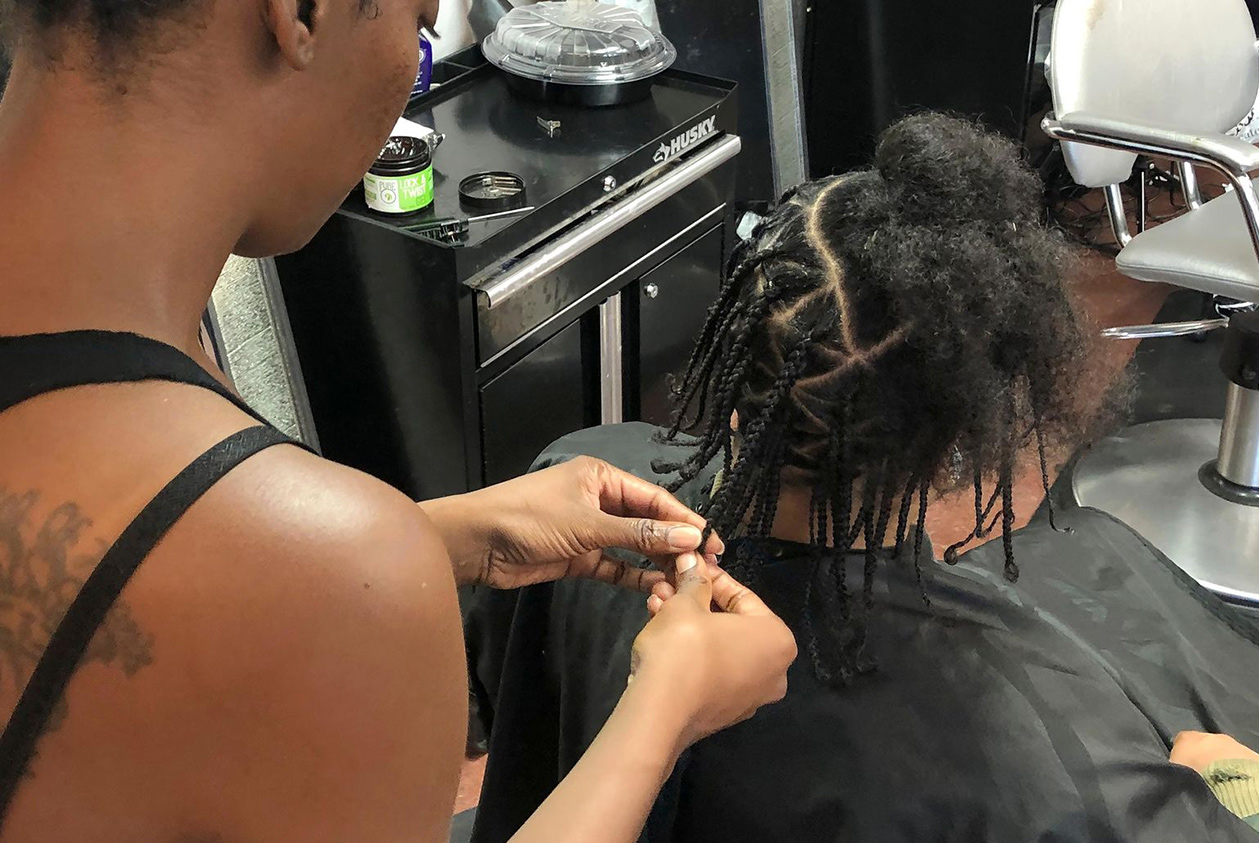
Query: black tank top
(41, 363)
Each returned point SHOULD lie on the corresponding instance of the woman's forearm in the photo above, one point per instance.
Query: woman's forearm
(609, 793)
(460, 522)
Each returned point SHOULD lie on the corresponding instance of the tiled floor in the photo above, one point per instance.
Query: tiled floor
(1110, 299)
(470, 779)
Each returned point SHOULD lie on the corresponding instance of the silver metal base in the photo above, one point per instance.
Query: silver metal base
(1147, 477)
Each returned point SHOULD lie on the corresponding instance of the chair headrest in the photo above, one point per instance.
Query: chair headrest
(1190, 66)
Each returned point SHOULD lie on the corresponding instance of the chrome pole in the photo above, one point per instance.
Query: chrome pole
(1239, 440)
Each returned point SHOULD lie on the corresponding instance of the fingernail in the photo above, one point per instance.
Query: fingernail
(684, 538)
(686, 562)
(654, 603)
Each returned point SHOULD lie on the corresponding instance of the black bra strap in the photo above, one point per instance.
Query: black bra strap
(88, 610)
(34, 364)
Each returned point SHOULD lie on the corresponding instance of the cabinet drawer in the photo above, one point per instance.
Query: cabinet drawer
(672, 302)
(539, 399)
(600, 251)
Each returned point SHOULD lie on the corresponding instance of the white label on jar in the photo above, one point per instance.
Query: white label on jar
(399, 195)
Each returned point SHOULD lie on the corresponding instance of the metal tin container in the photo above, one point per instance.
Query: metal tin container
(401, 180)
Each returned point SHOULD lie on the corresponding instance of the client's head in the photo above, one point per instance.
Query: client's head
(885, 333)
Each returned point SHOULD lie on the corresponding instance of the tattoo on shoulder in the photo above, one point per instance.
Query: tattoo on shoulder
(44, 561)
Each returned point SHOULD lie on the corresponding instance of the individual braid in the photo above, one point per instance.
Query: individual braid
(1007, 529)
(766, 507)
(730, 375)
(979, 531)
(1007, 495)
(868, 507)
(734, 496)
(920, 528)
(1044, 477)
(713, 440)
(721, 315)
(919, 531)
(885, 508)
(817, 530)
(902, 516)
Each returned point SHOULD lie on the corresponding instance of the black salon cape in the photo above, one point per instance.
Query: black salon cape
(1042, 711)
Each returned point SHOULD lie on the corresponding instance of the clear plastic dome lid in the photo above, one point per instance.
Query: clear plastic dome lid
(579, 42)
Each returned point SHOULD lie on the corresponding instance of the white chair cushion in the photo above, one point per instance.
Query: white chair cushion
(1208, 249)
(1188, 65)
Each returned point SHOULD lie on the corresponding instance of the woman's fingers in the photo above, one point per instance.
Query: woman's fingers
(719, 668)
(693, 584)
(621, 574)
(661, 593)
(643, 535)
(1200, 750)
(632, 498)
(621, 493)
(728, 594)
(733, 597)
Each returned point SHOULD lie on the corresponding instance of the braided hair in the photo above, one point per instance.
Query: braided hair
(880, 332)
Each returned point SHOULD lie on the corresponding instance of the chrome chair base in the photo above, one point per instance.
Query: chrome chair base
(1147, 477)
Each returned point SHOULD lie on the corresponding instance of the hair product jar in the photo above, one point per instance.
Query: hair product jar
(401, 180)
(424, 77)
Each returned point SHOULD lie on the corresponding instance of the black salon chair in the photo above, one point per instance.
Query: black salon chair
(1168, 78)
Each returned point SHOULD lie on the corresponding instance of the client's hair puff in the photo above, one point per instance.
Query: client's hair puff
(882, 332)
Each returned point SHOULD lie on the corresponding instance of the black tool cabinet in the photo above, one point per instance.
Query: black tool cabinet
(554, 388)
(423, 372)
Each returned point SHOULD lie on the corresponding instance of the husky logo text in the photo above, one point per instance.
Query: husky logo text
(685, 140)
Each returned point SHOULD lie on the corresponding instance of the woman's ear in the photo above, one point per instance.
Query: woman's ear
(734, 421)
(295, 25)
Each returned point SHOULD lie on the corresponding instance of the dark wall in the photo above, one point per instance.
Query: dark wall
(716, 41)
(869, 62)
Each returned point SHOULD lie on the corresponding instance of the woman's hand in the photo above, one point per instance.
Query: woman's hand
(695, 671)
(1200, 750)
(717, 668)
(557, 522)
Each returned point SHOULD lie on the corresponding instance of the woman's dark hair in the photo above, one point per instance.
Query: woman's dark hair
(880, 333)
(114, 24)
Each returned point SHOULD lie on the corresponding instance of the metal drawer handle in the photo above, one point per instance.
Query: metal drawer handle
(562, 250)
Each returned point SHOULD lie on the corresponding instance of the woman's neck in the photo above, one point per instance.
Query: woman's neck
(114, 214)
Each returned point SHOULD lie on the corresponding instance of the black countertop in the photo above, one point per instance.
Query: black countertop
(490, 127)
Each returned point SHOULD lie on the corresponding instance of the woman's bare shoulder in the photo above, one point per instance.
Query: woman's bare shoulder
(287, 662)
(323, 627)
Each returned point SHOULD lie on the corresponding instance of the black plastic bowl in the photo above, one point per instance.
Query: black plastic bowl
(597, 96)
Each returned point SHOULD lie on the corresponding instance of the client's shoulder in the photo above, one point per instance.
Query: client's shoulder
(636, 447)
(624, 445)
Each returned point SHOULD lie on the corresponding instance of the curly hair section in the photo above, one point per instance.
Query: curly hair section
(882, 332)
